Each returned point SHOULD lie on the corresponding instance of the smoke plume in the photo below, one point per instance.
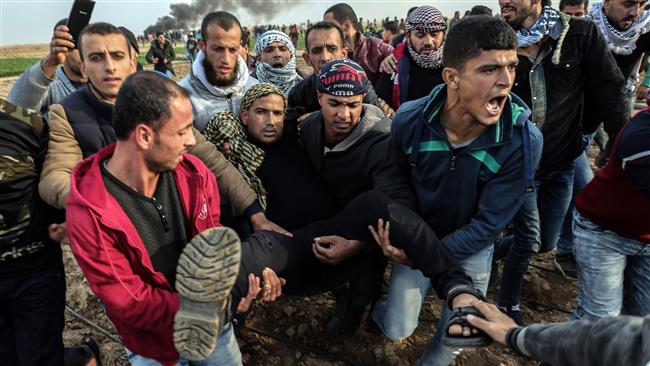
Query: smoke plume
(186, 16)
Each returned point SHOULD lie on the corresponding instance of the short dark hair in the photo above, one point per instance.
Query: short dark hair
(480, 10)
(323, 25)
(223, 19)
(472, 35)
(145, 97)
(102, 29)
(343, 12)
(158, 34)
(391, 26)
(546, 3)
(564, 3)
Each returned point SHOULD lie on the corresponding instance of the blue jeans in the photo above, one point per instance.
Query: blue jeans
(397, 313)
(582, 175)
(225, 354)
(537, 227)
(613, 271)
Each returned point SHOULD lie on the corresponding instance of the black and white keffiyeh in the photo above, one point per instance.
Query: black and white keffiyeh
(426, 19)
(619, 42)
(284, 78)
(542, 27)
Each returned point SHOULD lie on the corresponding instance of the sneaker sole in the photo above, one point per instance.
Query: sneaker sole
(206, 272)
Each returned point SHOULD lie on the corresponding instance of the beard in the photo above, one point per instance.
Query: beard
(516, 23)
(219, 80)
(617, 25)
(522, 14)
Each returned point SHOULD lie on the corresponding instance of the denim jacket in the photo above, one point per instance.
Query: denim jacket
(467, 197)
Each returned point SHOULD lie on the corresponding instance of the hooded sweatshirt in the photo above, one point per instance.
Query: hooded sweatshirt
(207, 99)
(361, 162)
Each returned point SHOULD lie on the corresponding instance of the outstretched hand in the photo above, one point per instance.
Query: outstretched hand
(382, 237)
(496, 324)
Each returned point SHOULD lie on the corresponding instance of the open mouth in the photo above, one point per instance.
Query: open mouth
(494, 106)
(277, 65)
(506, 11)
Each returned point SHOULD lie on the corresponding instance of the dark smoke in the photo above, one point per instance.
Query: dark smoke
(186, 16)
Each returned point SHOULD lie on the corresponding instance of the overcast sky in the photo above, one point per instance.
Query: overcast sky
(29, 21)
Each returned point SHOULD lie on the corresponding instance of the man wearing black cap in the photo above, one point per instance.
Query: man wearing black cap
(347, 142)
(419, 59)
(323, 255)
(45, 83)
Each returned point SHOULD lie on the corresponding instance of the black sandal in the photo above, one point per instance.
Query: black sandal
(459, 317)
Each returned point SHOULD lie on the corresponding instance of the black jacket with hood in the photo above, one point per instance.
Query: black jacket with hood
(361, 162)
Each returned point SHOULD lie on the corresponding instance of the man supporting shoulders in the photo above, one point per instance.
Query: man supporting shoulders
(82, 124)
(473, 153)
(348, 141)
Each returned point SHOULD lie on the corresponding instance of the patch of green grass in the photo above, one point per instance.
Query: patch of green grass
(16, 66)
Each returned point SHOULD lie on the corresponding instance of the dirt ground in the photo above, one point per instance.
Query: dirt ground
(289, 331)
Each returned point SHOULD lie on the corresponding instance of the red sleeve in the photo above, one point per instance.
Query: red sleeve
(127, 298)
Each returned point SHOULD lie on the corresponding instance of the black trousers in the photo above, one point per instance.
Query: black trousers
(31, 319)
(293, 259)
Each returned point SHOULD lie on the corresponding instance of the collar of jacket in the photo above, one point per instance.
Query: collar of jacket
(515, 113)
(312, 130)
(87, 174)
(361, 42)
(103, 106)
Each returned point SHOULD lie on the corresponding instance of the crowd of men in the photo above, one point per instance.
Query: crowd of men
(440, 156)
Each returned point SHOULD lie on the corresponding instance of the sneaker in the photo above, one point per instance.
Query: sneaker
(206, 272)
(566, 264)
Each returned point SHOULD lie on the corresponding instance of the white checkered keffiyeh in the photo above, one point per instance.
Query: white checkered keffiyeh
(426, 19)
(620, 42)
(284, 78)
(542, 27)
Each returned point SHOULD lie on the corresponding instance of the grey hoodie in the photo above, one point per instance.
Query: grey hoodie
(34, 90)
(208, 100)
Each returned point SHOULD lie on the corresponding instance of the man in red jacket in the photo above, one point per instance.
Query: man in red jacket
(612, 237)
(131, 243)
